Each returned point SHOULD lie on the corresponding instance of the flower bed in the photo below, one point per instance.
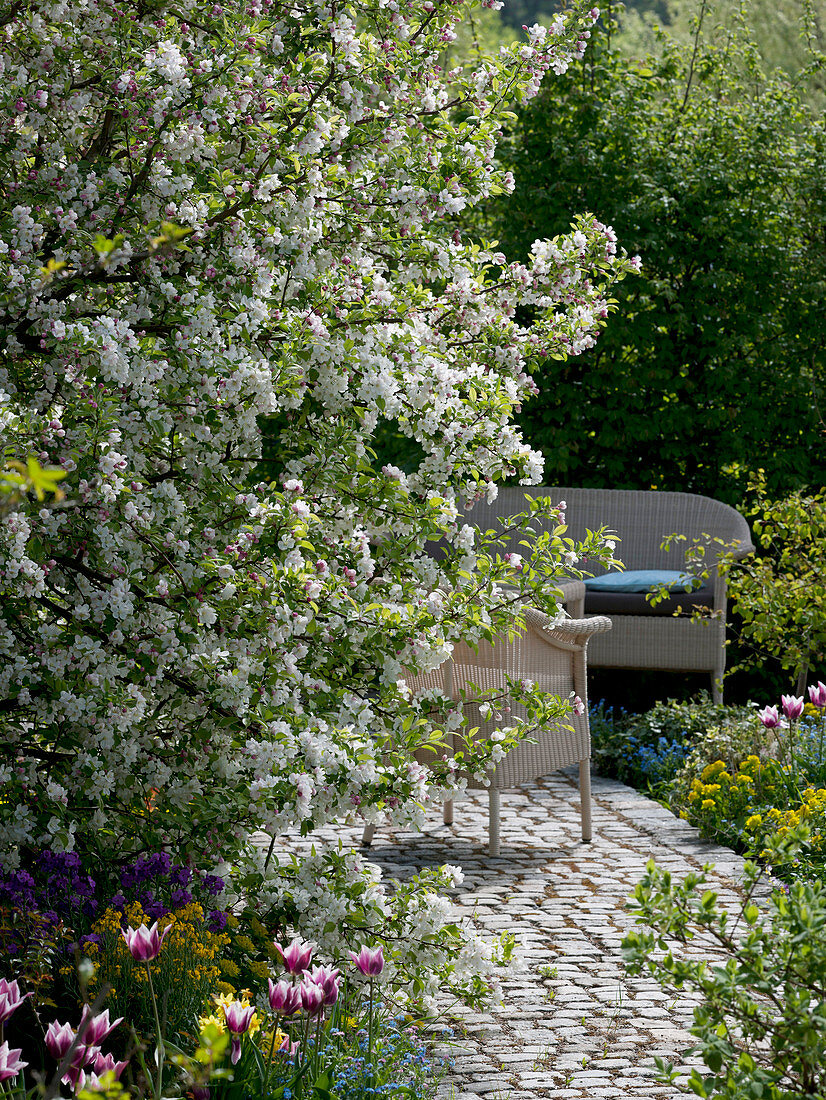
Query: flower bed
(737, 773)
(170, 1025)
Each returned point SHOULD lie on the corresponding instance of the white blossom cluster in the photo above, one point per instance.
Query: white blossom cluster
(230, 272)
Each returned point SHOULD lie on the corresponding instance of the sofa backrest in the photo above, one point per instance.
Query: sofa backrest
(640, 519)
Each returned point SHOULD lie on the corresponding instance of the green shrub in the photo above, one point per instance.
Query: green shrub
(760, 1028)
(780, 593)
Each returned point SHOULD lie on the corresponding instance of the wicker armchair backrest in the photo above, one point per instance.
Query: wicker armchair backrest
(640, 519)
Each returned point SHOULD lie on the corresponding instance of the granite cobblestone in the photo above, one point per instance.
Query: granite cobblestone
(572, 1024)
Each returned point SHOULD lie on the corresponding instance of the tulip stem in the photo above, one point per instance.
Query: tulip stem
(370, 1038)
(160, 1050)
(275, 1031)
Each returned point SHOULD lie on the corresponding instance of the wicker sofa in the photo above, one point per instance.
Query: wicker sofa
(643, 636)
(553, 656)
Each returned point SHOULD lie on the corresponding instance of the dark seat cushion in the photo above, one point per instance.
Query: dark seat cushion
(635, 603)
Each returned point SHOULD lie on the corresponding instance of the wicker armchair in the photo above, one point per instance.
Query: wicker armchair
(643, 636)
(551, 654)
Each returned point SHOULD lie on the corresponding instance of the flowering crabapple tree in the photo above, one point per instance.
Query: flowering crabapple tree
(229, 229)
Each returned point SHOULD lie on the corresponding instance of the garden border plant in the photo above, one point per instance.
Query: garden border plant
(760, 1028)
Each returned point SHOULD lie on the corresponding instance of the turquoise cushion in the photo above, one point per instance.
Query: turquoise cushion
(641, 580)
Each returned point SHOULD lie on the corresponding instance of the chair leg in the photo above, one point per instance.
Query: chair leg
(493, 822)
(585, 798)
(367, 835)
(447, 813)
(717, 686)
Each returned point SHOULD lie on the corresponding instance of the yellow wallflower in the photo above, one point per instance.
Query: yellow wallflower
(712, 770)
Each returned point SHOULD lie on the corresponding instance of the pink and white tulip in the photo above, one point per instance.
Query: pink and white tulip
(98, 1027)
(10, 1063)
(296, 958)
(285, 999)
(289, 1048)
(370, 961)
(238, 1018)
(312, 998)
(105, 1063)
(769, 717)
(817, 695)
(145, 943)
(10, 998)
(328, 979)
(792, 706)
(59, 1037)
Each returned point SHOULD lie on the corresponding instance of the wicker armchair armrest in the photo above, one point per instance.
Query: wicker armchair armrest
(567, 633)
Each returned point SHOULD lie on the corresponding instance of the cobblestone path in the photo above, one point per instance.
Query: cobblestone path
(572, 1024)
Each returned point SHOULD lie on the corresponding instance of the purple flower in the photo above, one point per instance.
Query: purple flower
(285, 999)
(10, 1064)
(146, 899)
(118, 901)
(180, 898)
(328, 979)
(180, 876)
(769, 717)
(144, 943)
(296, 958)
(792, 706)
(370, 961)
(216, 920)
(817, 695)
(10, 999)
(213, 884)
(238, 1017)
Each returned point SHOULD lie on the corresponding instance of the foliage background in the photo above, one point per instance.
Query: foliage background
(713, 172)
